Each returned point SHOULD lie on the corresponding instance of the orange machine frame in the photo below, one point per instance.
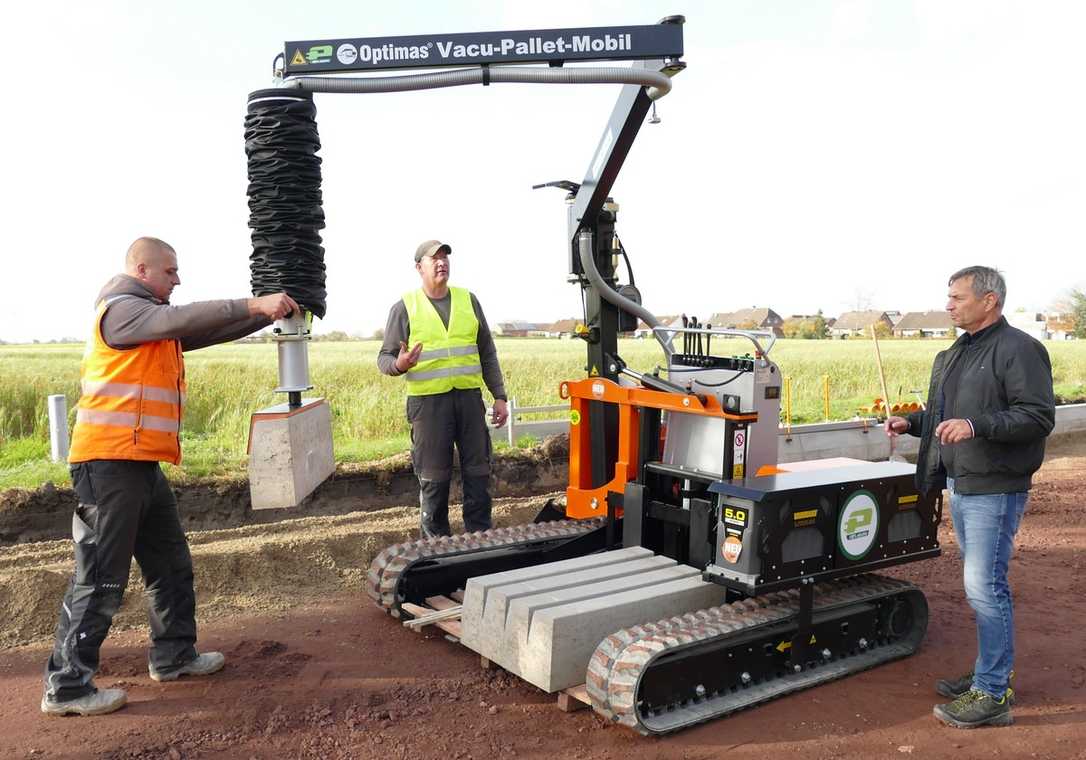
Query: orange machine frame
(583, 501)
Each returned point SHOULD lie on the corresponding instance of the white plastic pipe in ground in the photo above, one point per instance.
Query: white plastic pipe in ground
(58, 427)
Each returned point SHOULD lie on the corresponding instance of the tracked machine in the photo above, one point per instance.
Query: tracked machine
(691, 575)
(687, 574)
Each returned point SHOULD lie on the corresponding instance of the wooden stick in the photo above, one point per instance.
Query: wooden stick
(429, 617)
(882, 375)
(882, 379)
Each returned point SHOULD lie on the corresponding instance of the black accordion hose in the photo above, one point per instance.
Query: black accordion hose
(285, 214)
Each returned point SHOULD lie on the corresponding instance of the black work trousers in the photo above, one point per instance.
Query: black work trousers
(126, 509)
(438, 422)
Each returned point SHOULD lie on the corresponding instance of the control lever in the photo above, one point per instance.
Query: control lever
(659, 384)
(562, 184)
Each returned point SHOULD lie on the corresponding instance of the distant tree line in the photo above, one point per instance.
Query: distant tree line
(814, 328)
(1078, 312)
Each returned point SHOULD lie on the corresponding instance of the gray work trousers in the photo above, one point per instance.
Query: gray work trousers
(126, 509)
(439, 422)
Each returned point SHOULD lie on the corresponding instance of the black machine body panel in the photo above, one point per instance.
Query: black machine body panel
(783, 530)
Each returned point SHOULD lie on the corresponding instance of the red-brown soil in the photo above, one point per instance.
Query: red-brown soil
(336, 678)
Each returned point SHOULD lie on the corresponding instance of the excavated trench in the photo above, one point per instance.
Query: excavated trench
(250, 561)
(45, 514)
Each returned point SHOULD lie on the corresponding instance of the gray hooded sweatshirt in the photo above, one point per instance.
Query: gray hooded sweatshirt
(138, 317)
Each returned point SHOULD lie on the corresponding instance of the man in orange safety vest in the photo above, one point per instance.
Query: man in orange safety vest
(127, 421)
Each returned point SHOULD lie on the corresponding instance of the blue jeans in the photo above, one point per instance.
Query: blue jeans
(985, 525)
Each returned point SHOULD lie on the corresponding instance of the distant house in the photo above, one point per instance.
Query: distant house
(895, 316)
(755, 318)
(1060, 326)
(853, 323)
(563, 328)
(516, 329)
(925, 324)
(667, 320)
(1029, 322)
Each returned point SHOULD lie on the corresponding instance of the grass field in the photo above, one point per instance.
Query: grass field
(227, 383)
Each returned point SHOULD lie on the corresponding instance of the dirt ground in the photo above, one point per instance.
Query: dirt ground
(315, 671)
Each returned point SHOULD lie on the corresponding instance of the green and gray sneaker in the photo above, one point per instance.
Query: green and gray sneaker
(974, 709)
(952, 689)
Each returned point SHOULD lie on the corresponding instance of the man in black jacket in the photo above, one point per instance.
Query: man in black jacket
(990, 408)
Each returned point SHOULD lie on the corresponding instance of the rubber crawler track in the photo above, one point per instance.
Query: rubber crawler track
(619, 662)
(383, 577)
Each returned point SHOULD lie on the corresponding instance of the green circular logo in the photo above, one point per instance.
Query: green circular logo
(858, 524)
(574, 417)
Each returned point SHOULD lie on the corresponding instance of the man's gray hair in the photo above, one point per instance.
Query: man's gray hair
(985, 280)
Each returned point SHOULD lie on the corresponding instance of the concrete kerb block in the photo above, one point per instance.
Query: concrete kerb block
(290, 453)
(562, 638)
(550, 637)
(477, 593)
(496, 612)
(545, 627)
(510, 625)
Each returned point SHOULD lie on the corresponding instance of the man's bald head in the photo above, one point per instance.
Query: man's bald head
(154, 263)
(143, 250)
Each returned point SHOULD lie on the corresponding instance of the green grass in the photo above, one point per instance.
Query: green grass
(228, 383)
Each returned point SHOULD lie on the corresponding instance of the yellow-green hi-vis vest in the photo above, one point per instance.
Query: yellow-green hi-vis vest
(450, 356)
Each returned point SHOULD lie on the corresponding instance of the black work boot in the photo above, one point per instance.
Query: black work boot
(974, 709)
(952, 689)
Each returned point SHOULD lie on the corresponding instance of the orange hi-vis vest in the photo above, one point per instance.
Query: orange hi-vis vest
(132, 400)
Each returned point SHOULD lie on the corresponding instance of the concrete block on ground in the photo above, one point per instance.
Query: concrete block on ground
(290, 453)
(479, 602)
(545, 628)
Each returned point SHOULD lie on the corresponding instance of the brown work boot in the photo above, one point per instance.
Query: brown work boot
(975, 709)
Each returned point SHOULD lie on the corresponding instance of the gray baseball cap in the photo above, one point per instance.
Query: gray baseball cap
(429, 248)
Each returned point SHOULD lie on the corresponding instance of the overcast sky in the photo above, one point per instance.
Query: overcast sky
(813, 155)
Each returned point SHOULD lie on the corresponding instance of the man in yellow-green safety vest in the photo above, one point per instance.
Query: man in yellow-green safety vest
(438, 339)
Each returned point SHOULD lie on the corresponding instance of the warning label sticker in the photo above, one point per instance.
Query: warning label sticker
(731, 549)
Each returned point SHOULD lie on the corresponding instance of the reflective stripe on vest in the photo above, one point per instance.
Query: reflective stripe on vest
(130, 390)
(126, 419)
(450, 355)
(132, 400)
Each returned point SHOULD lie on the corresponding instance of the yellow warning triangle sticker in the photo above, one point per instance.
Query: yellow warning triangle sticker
(298, 59)
(595, 372)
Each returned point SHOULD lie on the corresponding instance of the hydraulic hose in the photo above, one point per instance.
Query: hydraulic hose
(588, 264)
(285, 213)
(659, 84)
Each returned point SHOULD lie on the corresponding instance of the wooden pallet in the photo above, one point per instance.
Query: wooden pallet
(443, 612)
(573, 699)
